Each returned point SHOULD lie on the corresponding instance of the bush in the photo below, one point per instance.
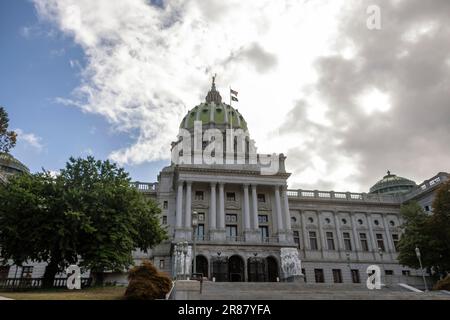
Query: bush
(147, 283)
(443, 284)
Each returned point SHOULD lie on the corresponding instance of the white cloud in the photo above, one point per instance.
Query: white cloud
(30, 139)
(147, 65)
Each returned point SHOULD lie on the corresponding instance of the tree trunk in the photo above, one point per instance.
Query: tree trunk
(49, 275)
(98, 278)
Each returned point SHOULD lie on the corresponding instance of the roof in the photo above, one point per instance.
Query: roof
(9, 164)
(393, 184)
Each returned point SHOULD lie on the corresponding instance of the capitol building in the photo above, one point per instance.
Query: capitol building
(250, 227)
(247, 225)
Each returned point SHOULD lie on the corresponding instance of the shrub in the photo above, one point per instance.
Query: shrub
(443, 284)
(147, 283)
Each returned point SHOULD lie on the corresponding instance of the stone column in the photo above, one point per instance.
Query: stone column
(287, 214)
(246, 209)
(389, 241)
(188, 204)
(179, 212)
(221, 206)
(373, 246)
(212, 207)
(281, 235)
(255, 208)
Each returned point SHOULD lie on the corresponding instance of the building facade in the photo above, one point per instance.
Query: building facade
(251, 227)
(248, 226)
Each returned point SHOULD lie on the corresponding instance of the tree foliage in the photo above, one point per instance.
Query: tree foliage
(7, 138)
(429, 232)
(89, 211)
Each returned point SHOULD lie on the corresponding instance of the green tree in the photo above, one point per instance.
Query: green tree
(416, 233)
(7, 138)
(89, 213)
(430, 232)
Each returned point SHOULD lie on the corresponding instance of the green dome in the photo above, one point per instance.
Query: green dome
(393, 184)
(213, 113)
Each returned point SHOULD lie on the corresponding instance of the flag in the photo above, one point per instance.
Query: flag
(233, 95)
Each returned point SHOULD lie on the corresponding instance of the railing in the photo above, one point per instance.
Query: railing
(36, 283)
(348, 196)
(144, 186)
(427, 185)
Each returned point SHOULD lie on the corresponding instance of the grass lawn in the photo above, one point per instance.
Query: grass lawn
(96, 293)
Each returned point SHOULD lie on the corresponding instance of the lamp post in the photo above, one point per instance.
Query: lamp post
(421, 268)
(194, 228)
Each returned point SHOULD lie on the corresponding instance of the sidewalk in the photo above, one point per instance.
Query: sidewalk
(3, 298)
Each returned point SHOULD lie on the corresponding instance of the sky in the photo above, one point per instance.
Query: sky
(344, 102)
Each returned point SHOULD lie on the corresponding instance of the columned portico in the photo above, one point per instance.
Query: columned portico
(220, 232)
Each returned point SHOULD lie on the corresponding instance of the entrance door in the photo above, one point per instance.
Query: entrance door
(272, 269)
(236, 269)
(220, 268)
(256, 269)
(202, 265)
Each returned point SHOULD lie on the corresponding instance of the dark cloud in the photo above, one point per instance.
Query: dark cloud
(412, 138)
(255, 55)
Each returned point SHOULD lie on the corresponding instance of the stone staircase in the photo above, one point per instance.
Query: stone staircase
(300, 291)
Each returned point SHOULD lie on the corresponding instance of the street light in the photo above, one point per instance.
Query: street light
(194, 227)
(421, 268)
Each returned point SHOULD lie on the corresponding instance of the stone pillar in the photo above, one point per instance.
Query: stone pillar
(255, 208)
(221, 206)
(188, 204)
(246, 209)
(212, 207)
(373, 246)
(389, 241)
(179, 212)
(281, 234)
(287, 214)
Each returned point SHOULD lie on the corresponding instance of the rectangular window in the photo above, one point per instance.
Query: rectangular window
(231, 232)
(164, 220)
(4, 271)
(261, 197)
(263, 219)
(330, 241)
(355, 276)
(297, 237)
(264, 231)
(347, 241)
(304, 274)
(313, 240)
(364, 243)
(199, 195)
(406, 273)
(318, 274)
(165, 204)
(161, 264)
(201, 232)
(337, 276)
(395, 240)
(231, 196)
(27, 272)
(380, 242)
(231, 218)
(389, 272)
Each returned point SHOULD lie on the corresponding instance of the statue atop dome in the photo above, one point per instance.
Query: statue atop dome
(213, 95)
